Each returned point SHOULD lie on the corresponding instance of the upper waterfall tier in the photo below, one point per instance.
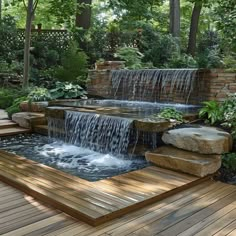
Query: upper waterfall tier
(143, 84)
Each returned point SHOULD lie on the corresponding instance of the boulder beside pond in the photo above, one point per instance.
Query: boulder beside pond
(200, 139)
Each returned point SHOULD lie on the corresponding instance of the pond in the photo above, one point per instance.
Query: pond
(75, 160)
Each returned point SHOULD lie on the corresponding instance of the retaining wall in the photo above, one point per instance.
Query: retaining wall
(210, 85)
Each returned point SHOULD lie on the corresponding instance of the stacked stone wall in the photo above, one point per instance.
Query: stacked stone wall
(210, 85)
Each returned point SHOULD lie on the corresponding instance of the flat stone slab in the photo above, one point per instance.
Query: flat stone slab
(184, 161)
(200, 139)
(29, 119)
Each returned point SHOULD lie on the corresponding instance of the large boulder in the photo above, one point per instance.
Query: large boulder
(188, 162)
(200, 139)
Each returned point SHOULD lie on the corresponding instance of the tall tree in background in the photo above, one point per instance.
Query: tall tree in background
(0, 9)
(175, 18)
(83, 15)
(194, 27)
(30, 7)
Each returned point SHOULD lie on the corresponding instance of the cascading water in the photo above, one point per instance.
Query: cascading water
(104, 134)
(148, 84)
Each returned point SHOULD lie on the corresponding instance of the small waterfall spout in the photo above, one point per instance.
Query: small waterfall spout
(149, 84)
(98, 132)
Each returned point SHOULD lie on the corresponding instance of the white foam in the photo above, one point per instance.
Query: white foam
(67, 156)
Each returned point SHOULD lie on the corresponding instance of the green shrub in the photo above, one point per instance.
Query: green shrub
(7, 96)
(211, 112)
(210, 58)
(228, 110)
(39, 95)
(157, 47)
(229, 161)
(182, 61)
(230, 62)
(15, 107)
(131, 56)
(170, 114)
(74, 66)
(67, 90)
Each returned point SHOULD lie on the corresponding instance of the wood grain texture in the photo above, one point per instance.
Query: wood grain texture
(92, 202)
(205, 209)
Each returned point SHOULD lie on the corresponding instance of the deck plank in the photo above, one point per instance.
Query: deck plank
(35, 219)
(97, 202)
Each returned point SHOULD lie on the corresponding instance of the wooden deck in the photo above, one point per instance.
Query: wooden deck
(204, 210)
(97, 202)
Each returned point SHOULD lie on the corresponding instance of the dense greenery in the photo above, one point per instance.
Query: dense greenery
(211, 111)
(121, 23)
(229, 161)
(67, 91)
(223, 114)
(8, 96)
(170, 114)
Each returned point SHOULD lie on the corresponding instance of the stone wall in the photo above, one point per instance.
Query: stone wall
(218, 84)
(210, 85)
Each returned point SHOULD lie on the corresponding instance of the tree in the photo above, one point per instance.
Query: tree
(30, 7)
(175, 18)
(83, 15)
(194, 27)
(0, 10)
(225, 12)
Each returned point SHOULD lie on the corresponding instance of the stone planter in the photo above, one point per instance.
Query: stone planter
(33, 106)
(109, 65)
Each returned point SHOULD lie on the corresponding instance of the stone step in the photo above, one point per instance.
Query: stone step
(7, 124)
(13, 131)
(184, 161)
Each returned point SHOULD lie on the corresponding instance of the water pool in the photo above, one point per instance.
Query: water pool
(75, 160)
(122, 108)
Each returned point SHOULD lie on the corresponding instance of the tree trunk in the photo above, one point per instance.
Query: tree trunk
(175, 18)
(83, 17)
(29, 19)
(194, 28)
(0, 10)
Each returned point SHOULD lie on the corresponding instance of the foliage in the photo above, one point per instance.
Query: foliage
(211, 111)
(229, 161)
(15, 107)
(182, 61)
(210, 58)
(121, 23)
(9, 43)
(7, 96)
(225, 20)
(170, 114)
(39, 95)
(44, 78)
(67, 90)
(230, 62)
(74, 66)
(229, 113)
(157, 47)
(131, 56)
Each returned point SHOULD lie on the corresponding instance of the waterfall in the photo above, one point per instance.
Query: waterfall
(148, 84)
(97, 132)
(56, 128)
